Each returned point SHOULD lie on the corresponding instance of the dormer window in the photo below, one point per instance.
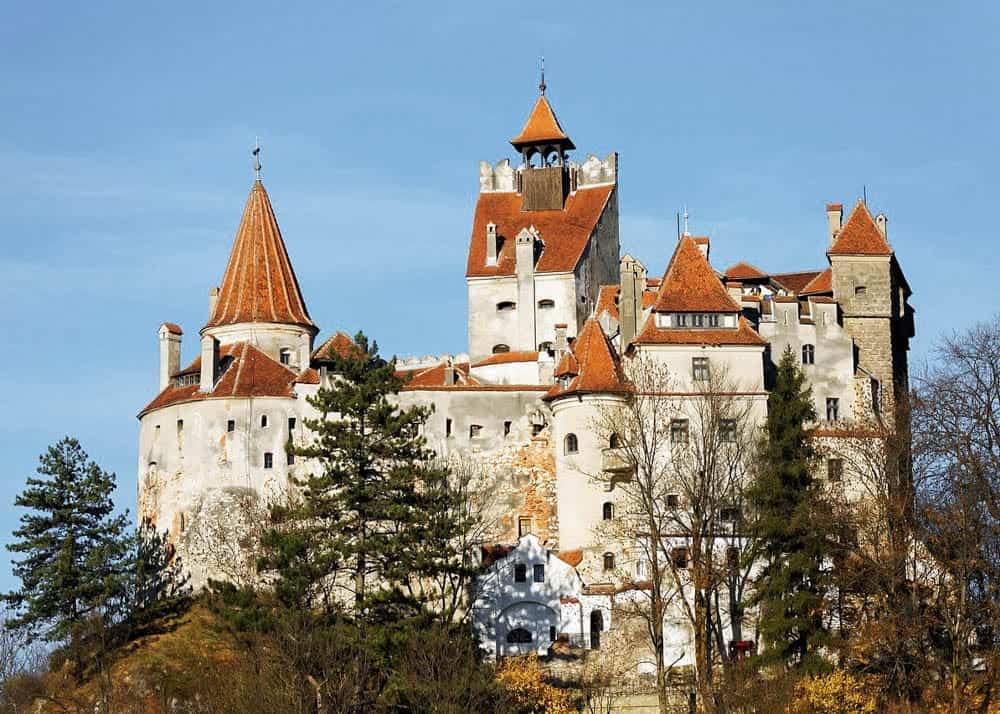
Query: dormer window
(285, 356)
(506, 306)
(713, 320)
(681, 319)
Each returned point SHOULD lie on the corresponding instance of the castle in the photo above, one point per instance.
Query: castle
(555, 312)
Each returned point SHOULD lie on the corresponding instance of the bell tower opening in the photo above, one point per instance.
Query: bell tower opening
(543, 145)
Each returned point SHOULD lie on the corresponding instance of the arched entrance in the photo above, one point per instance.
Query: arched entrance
(596, 628)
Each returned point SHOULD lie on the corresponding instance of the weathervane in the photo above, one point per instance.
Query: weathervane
(256, 157)
(541, 85)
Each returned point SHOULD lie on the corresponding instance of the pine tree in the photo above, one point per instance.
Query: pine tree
(792, 523)
(76, 551)
(377, 517)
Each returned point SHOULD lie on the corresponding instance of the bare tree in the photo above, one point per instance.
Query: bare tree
(687, 455)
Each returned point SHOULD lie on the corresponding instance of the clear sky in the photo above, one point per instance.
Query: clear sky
(125, 140)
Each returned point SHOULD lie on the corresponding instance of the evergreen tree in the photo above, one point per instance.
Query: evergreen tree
(74, 569)
(376, 521)
(156, 584)
(793, 525)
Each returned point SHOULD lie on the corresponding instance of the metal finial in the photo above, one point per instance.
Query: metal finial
(256, 157)
(541, 85)
(686, 231)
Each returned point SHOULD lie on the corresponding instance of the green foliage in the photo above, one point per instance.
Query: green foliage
(377, 520)
(75, 550)
(156, 584)
(793, 524)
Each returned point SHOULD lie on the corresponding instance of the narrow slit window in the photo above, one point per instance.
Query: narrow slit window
(447, 427)
(263, 421)
(572, 444)
(506, 428)
(268, 460)
(808, 354)
(231, 425)
(834, 470)
(832, 409)
(609, 561)
(608, 511)
(538, 574)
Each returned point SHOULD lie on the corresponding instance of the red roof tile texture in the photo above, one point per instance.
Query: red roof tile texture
(259, 284)
(744, 271)
(597, 365)
(690, 284)
(564, 234)
(172, 328)
(795, 282)
(542, 126)
(338, 342)
(434, 376)
(822, 283)
(860, 235)
(250, 373)
(507, 358)
(744, 334)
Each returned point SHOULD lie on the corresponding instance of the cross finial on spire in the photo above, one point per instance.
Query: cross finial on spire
(256, 157)
(686, 231)
(541, 85)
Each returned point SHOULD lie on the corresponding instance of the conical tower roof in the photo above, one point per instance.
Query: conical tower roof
(542, 127)
(690, 284)
(259, 284)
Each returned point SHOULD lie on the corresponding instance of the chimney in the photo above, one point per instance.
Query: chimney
(449, 374)
(881, 221)
(209, 363)
(834, 218)
(559, 346)
(170, 352)
(525, 272)
(633, 285)
(491, 243)
(703, 245)
(213, 298)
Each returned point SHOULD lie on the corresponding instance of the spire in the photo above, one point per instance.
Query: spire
(690, 284)
(541, 85)
(686, 231)
(259, 284)
(542, 126)
(256, 158)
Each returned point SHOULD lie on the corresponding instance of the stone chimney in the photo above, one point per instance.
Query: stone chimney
(834, 219)
(525, 270)
(633, 285)
(213, 298)
(209, 363)
(170, 352)
(881, 221)
(491, 243)
(560, 344)
(703, 244)
(449, 374)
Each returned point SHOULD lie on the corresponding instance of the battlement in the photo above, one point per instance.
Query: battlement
(504, 178)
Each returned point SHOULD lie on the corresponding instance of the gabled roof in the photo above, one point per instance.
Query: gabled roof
(338, 342)
(744, 334)
(860, 235)
(690, 284)
(607, 300)
(822, 283)
(564, 233)
(435, 376)
(744, 271)
(795, 282)
(249, 372)
(508, 358)
(259, 284)
(542, 127)
(593, 366)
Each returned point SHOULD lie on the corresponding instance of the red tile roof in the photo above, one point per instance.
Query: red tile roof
(795, 282)
(571, 557)
(251, 373)
(308, 376)
(338, 342)
(507, 358)
(564, 234)
(172, 328)
(607, 299)
(597, 367)
(744, 271)
(744, 334)
(860, 235)
(434, 376)
(259, 284)
(542, 126)
(690, 284)
(822, 283)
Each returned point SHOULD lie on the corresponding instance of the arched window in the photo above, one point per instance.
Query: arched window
(808, 354)
(608, 511)
(572, 445)
(506, 305)
(546, 304)
(609, 561)
(501, 348)
(614, 442)
(519, 636)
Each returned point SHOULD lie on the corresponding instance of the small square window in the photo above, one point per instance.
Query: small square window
(727, 430)
(698, 320)
(520, 573)
(679, 431)
(538, 573)
(713, 320)
(673, 500)
(834, 470)
(832, 408)
(291, 424)
(475, 430)
(679, 556)
(285, 356)
(291, 458)
(231, 425)
(506, 428)
(682, 319)
(268, 460)
(699, 368)
(609, 561)
(523, 526)
(730, 514)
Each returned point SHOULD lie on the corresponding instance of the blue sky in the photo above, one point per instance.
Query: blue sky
(125, 139)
